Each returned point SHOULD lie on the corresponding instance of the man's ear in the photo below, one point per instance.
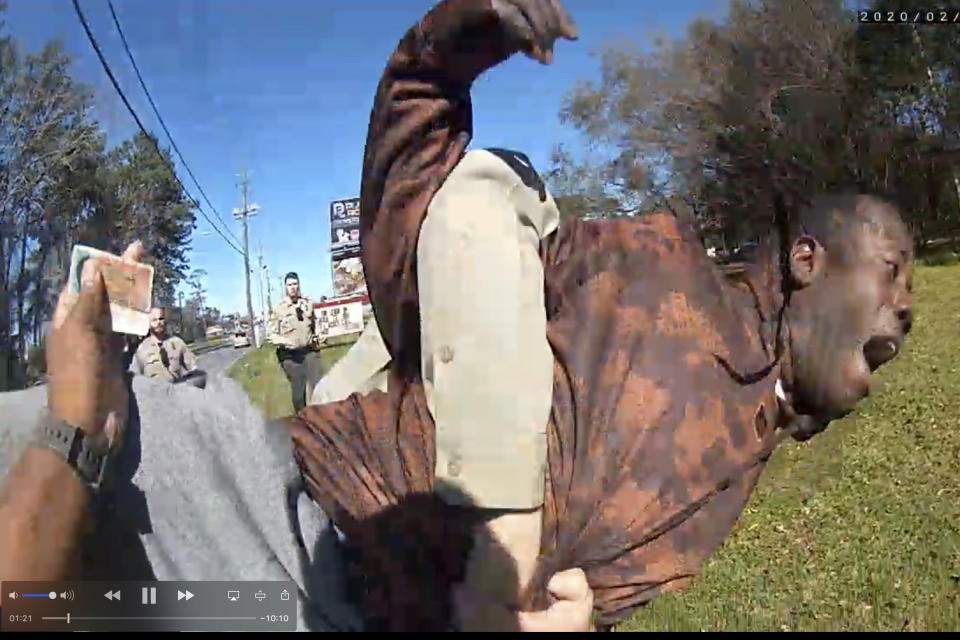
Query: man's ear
(807, 261)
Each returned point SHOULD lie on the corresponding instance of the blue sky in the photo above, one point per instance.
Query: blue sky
(284, 87)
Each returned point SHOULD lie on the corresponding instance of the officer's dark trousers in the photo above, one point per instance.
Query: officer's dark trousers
(302, 368)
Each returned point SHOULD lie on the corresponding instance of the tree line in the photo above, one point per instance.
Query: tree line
(60, 184)
(781, 96)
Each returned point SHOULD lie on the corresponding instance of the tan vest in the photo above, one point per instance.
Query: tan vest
(291, 324)
(149, 360)
(486, 364)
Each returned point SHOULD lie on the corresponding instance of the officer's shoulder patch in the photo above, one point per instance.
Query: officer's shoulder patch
(522, 166)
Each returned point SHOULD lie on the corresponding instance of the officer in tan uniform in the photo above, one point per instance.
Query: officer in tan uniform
(291, 329)
(486, 364)
(160, 355)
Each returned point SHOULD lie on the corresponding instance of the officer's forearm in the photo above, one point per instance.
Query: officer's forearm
(43, 505)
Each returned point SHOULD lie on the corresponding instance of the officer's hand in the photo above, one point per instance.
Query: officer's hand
(571, 609)
(86, 386)
(534, 25)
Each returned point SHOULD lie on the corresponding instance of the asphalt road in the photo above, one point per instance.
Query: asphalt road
(217, 362)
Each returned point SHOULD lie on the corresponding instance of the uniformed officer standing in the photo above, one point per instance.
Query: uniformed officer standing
(291, 328)
(162, 356)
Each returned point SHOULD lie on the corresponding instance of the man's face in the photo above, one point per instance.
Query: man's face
(851, 319)
(158, 322)
(293, 288)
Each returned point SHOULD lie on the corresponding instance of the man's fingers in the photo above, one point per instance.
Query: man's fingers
(516, 22)
(570, 612)
(536, 24)
(93, 307)
(542, 18)
(133, 253)
(566, 27)
(569, 585)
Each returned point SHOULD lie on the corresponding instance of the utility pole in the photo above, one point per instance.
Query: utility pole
(266, 276)
(260, 278)
(245, 211)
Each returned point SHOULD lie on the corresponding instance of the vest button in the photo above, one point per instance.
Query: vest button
(446, 354)
(454, 468)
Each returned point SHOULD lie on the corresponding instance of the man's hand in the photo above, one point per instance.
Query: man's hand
(571, 609)
(85, 358)
(535, 24)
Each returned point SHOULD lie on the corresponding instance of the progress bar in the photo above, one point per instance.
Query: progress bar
(68, 618)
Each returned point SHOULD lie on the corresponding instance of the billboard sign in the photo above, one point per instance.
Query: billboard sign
(345, 229)
(339, 317)
(348, 277)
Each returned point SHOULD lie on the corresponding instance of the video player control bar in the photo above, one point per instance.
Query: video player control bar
(149, 606)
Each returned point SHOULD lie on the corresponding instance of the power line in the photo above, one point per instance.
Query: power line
(116, 86)
(163, 124)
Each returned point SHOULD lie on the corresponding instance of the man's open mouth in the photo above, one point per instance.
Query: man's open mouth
(881, 349)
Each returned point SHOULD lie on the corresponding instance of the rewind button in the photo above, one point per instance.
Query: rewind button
(112, 595)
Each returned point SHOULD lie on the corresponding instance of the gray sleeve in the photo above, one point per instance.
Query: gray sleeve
(224, 496)
(203, 489)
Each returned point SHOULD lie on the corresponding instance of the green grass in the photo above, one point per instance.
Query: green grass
(858, 529)
(260, 375)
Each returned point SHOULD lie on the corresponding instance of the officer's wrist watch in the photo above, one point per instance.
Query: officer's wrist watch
(80, 452)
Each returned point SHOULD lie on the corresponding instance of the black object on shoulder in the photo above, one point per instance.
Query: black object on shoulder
(522, 166)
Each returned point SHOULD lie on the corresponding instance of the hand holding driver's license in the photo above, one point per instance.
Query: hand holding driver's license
(129, 286)
(86, 386)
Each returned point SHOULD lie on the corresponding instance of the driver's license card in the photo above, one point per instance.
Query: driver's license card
(129, 288)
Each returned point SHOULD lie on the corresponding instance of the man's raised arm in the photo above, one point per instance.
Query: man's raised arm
(420, 124)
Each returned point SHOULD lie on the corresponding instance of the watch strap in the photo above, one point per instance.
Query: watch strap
(73, 446)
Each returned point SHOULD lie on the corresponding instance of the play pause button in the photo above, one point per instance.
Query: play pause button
(183, 595)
